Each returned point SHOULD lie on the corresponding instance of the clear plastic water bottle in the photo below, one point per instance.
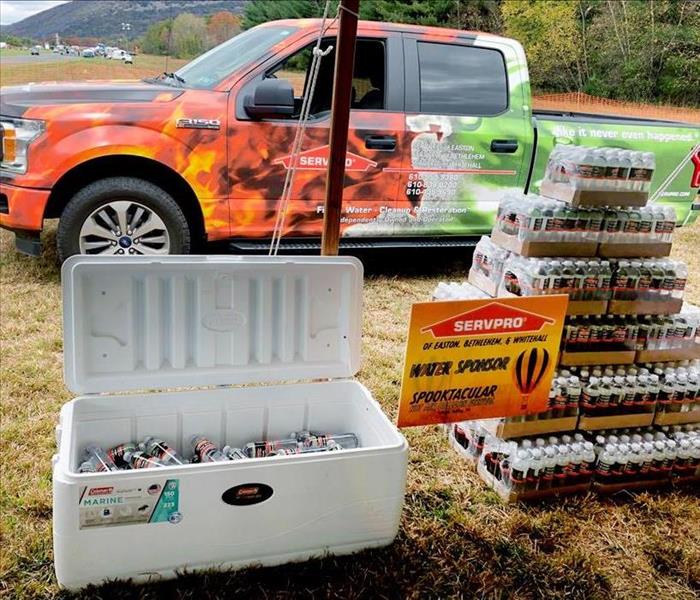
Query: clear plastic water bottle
(573, 396)
(117, 453)
(681, 271)
(612, 159)
(205, 450)
(265, 449)
(637, 175)
(607, 460)
(646, 226)
(585, 169)
(518, 471)
(232, 453)
(320, 440)
(598, 164)
(141, 460)
(160, 451)
(649, 168)
(97, 459)
(623, 183)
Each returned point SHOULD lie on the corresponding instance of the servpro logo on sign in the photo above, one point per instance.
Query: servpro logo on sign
(478, 359)
(495, 317)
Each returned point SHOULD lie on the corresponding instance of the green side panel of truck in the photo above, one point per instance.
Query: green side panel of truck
(673, 146)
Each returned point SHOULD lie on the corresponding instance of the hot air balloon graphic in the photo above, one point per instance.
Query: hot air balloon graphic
(530, 367)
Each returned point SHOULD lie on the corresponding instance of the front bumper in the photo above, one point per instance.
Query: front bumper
(22, 208)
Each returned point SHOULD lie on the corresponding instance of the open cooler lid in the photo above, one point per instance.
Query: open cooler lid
(192, 321)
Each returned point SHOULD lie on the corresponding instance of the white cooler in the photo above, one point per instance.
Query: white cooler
(166, 322)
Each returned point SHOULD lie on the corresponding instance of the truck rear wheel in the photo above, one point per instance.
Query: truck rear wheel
(122, 216)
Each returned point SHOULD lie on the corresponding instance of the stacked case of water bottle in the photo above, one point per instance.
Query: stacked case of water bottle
(630, 349)
(539, 466)
(232, 470)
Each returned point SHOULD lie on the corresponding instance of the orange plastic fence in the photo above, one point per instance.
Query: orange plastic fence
(579, 102)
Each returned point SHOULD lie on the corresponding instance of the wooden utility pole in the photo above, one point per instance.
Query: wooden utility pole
(340, 119)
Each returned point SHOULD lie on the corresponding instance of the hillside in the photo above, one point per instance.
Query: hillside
(103, 18)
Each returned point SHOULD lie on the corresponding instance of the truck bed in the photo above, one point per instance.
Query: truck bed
(584, 117)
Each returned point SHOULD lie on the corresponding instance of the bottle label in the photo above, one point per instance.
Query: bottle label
(585, 171)
(590, 282)
(603, 469)
(638, 174)
(612, 225)
(631, 226)
(597, 171)
(645, 226)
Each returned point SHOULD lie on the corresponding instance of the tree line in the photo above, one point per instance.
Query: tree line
(188, 35)
(639, 50)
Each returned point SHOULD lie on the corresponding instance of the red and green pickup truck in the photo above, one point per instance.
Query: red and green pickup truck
(441, 127)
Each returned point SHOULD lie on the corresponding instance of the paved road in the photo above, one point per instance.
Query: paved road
(44, 57)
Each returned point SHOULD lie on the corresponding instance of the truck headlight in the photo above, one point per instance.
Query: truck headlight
(15, 137)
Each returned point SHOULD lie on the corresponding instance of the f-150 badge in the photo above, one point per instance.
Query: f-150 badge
(198, 124)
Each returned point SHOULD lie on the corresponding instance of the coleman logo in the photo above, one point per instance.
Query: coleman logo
(493, 318)
(100, 491)
(198, 124)
(316, 159)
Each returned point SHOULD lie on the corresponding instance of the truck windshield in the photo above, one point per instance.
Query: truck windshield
(213, 66)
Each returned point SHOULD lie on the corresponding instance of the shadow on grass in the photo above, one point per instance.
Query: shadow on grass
(452, 564)
(413, 262)
(417, 262)
(42, 269)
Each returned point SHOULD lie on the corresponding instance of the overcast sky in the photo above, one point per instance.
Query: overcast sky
(12, 11)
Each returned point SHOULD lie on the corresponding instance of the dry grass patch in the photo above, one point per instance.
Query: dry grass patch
(456, 540)
(79, 69)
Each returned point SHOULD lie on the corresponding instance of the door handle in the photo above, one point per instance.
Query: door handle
(380, 142)
(504, 146)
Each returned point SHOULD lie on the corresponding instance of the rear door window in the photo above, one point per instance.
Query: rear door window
(461, 80)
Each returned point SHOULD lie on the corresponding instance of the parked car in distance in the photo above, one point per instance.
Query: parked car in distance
(35, 51)
(88, 53)
(128, 59)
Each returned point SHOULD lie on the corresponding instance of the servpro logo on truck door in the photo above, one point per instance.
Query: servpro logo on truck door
(316, 159)
(477, 359)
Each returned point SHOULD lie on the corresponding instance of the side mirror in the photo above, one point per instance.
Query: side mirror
(269, 99)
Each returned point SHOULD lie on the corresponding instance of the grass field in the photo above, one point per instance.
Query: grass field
(13, 52)
(456, 538)
(36, 70)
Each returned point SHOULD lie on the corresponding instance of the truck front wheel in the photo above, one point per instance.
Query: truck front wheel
(122, 216)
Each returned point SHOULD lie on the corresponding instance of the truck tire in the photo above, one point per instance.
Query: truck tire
(122, 216)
